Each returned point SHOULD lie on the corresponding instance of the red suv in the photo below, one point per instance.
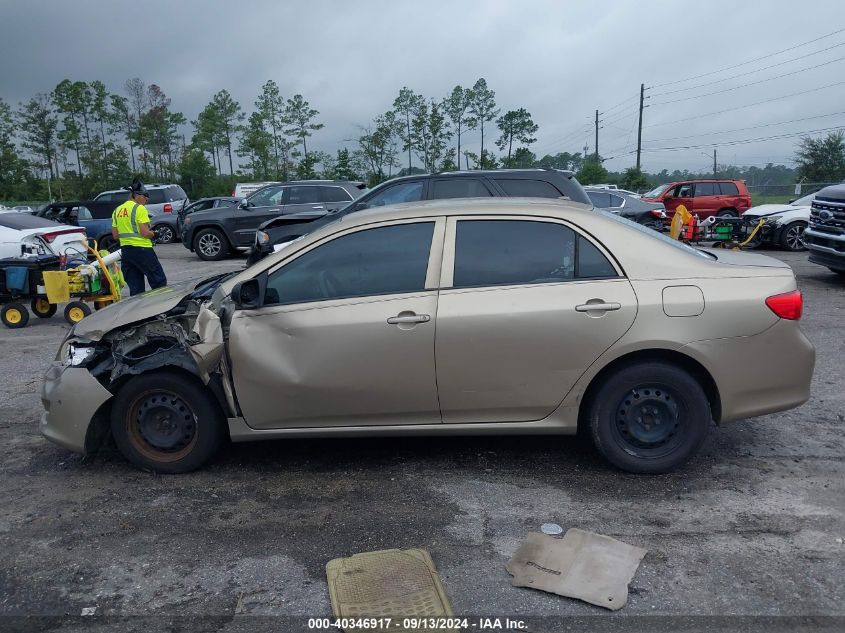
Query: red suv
(703, 197)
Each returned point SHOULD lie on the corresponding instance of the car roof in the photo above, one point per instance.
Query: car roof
(555, 207)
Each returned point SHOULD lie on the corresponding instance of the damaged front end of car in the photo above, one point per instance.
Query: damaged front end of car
(96, 360)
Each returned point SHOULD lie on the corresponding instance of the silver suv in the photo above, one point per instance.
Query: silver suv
(163, 198)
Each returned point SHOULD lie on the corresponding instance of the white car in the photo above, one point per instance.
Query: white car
(22, 233)
(785, 223)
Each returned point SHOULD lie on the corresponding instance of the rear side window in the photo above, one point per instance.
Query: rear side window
(458, 188)
(384, 260)
(599, 199)
(616, 201)
(528, 188)
(729, 188)
(515, 252)
(157, 196)
(175, 192)
(334, 194)
(706, 189)
(303, 195)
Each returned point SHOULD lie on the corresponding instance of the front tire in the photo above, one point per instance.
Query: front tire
(792, 236)
(167, 422)
(727, 213)
(649, 417)
(211, 245)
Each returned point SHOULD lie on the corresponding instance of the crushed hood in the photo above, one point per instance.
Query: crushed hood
(131, 310)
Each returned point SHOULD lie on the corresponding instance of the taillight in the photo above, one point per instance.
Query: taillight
(168, 208)
(788, 305)
(54, 234)
(658, 213)
(233, 193)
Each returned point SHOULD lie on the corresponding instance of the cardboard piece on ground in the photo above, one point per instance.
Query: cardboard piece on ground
(583, 565)
(389, 583)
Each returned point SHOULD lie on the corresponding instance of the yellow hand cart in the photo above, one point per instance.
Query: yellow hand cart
(50, 287)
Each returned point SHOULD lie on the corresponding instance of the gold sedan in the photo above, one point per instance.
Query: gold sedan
(460, 317)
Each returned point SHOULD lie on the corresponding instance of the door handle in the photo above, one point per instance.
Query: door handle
(597, 306)
(317, 207)
(409, 318)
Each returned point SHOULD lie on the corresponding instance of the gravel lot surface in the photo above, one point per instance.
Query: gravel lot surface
(753, 527)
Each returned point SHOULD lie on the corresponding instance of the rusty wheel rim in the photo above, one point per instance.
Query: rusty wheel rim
(162, 426)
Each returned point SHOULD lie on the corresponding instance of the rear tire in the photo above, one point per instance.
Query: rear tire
(14, 315)
(211, 245)
(164, 234)
(792, 236)
(727, 213)
(649, 417)
(42, 308)
(167, 422)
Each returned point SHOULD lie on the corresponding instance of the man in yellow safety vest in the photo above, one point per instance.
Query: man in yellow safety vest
(131, 226)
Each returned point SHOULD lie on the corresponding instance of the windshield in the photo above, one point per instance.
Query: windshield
(658, 236)
(657, 191)
(806, 201)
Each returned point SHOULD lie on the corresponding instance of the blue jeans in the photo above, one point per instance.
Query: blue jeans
(138, 262)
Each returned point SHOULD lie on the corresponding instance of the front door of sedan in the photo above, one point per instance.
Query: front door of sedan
(265, 204)
(345, 336)
(526, 306)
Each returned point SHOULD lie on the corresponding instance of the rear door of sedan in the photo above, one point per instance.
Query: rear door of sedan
(526, 305)
(346, 333)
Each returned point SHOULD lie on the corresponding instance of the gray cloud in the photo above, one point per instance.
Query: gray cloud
(560, 60)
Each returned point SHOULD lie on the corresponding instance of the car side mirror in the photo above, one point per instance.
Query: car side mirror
(360, 206)
(243, 204)
(248, 295)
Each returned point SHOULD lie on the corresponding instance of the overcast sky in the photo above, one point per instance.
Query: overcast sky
(559, 59)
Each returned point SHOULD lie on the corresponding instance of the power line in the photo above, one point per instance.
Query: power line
(742, 141)
(753, 83)
(749, 105)
(618, 104)
(750, 61)
(750, 72)
(742, 129)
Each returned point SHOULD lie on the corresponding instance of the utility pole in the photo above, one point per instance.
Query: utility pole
(597, 136)
(715, 175)
(640, 128)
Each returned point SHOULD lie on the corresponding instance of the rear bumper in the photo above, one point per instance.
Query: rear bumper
(759, 374)
(71, 396)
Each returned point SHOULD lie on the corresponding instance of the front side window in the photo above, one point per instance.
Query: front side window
(82, 213)
(303, 195)
(458, 188)
(524, 187)
(334, 194)
(706, 189)
(379, 261)
(683, 191)
(267, 197)
(403, 192)
(515, 252)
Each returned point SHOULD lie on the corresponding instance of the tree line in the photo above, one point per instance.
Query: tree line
(80, 139)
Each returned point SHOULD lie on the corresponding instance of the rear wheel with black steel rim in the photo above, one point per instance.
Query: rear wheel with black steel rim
(649, 417)
(75, 311)
(792, 237)
(14, 315)
(167, 422)
(42, 308)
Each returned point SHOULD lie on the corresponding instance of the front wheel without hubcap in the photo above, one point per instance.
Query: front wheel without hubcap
(164, 234)
(166, 422)
(649, 417)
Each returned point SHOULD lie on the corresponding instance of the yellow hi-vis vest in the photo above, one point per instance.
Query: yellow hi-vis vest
(126, 218)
